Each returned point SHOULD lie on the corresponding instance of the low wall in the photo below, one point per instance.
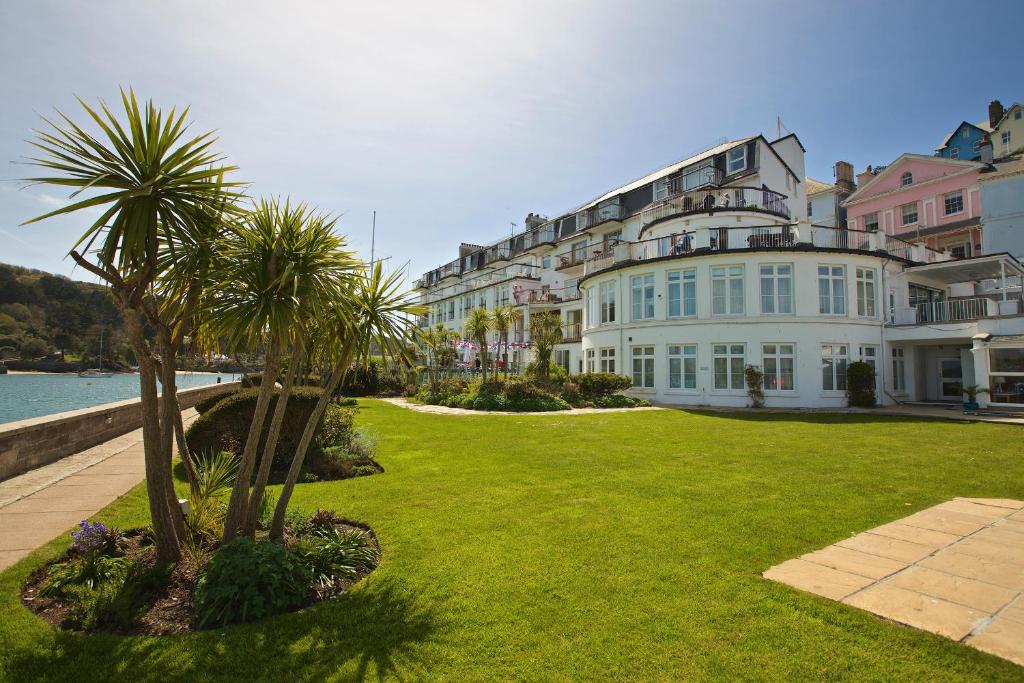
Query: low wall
(27, 444)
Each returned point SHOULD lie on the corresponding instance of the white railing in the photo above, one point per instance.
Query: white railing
(955, 310)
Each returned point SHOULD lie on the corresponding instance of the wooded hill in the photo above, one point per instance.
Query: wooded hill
(45, 315)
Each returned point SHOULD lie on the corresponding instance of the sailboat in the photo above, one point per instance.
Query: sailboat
(97, 372)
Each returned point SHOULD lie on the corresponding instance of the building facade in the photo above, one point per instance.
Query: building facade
(1007, 129)
(683, 278)
(925, 199)
(964, 142)
(1002, 207)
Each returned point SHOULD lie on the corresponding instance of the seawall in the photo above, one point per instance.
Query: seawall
(27, 444)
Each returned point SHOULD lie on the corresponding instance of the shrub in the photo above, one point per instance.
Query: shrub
(226, 426)
(94, 539)
(324, 520)
(593, 384)
(363, 470)
(247, 580)
(333, 555)
(618, 401)
(209, 402)
(83, 572)
(346, 402)
(755, 385)
(556, 373)
(336, 428)
(251, 380)
(860, 385)
(117, 603)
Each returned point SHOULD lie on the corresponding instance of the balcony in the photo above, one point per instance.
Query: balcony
(695, 179)
(767, 237)
(588, 218)
(572, 332)
(546, 295)
(713, 200)
(956, 310)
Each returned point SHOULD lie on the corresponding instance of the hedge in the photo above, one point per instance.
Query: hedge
(860, 385)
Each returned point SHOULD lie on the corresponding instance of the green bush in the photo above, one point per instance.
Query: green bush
(209, 402)
(115, 604)
(363, 470)
(248, 580)
(336, 428)
(556, 373)
(251, 380)
(592, 384)
(226, 426)
(618, 401)
(860, 385)
(333, 555)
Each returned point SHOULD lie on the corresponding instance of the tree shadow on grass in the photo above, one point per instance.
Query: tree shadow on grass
(378, 630)
(812, 417)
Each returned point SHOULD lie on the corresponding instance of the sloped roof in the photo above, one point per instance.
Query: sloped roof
(861, 193)
(817, 186)
(672, 168)
(1006, 113)
(1004, 169)
(981, 125)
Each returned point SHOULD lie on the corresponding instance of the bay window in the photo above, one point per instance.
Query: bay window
(832, 290)
(777, 288)
(642, 289)
(727, 290)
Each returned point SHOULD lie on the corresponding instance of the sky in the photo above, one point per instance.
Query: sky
(454, 120)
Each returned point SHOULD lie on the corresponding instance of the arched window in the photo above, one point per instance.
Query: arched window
(906, 179)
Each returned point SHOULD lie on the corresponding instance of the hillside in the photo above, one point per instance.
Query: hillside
(51, 315)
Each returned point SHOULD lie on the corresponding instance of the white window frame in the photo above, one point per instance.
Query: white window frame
(606, 357)
(641, 296)
(727, 275)
(833, 357)
(682, 366)
(907, 179)
(563, 354)
(644, 355)
(899, 370)
(590, 359)
(660, 189)
(777, 300)
(871, 219)
(735, 378)
(835, 299)
(606, 302)
(1006, 138)
(773, 372)
(867, 292)
(954, 196)
(681, 286)
(904, 212)
(730, 160)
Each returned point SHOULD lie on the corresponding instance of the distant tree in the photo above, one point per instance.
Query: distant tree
(33, 348)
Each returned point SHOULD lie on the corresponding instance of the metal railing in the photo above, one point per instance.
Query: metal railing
(546, 295)
(596, 215)
(953, 310)
(695, 179)
(714, 199)
(572, 332)
(838, 238)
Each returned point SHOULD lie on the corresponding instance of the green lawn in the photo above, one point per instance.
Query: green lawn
(618, 546)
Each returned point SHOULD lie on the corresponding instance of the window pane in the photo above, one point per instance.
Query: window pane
(737, 372)
(827, 377)
(1007, 360)
(721, 373)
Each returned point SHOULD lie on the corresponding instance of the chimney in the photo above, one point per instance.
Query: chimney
(986, 149)
(844, 176)
(865, 176)
(533, 220)
(995, 112)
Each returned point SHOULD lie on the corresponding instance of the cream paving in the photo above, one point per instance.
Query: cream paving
(38, 505)
(955, 569)
(443, 410)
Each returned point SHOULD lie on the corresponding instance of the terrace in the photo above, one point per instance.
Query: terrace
(997, 284)
(716, 199)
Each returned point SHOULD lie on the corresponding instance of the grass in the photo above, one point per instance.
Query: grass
(617, 546)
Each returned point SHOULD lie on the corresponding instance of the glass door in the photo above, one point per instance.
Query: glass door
(951, 377)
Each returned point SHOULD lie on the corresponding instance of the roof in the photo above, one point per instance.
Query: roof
(972, 269)
(981, 125)
(672, 168)
(1006, 112)
(791, 135)
(1004, 169)
(817, 186)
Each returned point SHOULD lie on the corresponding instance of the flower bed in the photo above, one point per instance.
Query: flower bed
(108, 581)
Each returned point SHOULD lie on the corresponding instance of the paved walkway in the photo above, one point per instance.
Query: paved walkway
(46, 502)
(443, 410)
(955, 569)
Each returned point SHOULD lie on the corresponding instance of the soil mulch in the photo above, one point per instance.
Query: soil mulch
(167, 609)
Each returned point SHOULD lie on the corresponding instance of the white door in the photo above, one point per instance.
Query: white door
(951, 377)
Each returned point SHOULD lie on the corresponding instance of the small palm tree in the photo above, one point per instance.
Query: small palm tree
(503, 318)
(545, 332)
(478, 324)
(153, 186)
(439, 345)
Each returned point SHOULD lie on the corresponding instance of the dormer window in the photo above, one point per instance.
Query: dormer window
(736, 160)
(907, 178)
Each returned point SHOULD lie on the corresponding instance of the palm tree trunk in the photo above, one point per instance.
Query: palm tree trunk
(240, 491)
(277, 526)
(158, 468)
(263, 474)
(169, 383)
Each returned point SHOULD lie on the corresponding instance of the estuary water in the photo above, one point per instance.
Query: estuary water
(34, 395)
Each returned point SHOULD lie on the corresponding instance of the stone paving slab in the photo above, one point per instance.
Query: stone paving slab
(955, 569)
(46, 502)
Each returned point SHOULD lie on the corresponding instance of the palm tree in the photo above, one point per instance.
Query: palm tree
(545, 332)
(502, 319)
(278, 268)
(478, 324)
(438, 343)
(374, 314)
(154, 185)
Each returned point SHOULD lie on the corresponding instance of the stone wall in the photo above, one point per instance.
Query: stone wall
(27, 444)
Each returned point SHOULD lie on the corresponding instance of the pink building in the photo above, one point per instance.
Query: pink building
(927, 199)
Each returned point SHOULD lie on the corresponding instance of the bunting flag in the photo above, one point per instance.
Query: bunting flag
(493, 346)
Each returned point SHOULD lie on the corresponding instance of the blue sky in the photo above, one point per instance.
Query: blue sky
(454, 120)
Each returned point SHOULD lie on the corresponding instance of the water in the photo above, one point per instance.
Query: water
(34, 395)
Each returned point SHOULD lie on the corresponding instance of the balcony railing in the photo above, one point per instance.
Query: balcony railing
(956, 310)
(596, 215)
(546, 295)
(572, 332)
(695, 180)
(717, 199)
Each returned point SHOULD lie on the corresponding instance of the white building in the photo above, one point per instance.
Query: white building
(684, 277)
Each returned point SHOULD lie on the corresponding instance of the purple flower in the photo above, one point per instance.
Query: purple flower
(91, 538)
